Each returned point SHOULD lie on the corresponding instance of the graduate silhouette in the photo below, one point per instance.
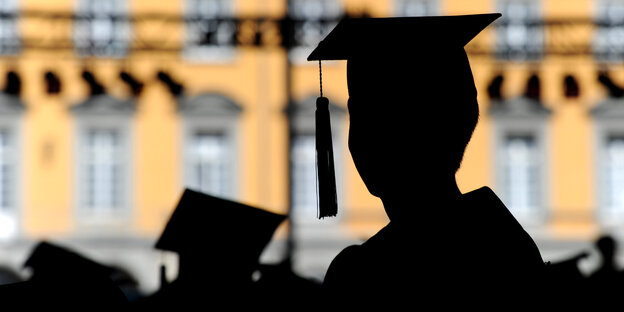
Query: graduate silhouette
(607, 282)
(412, 108)
(63, 279)
(219, 243)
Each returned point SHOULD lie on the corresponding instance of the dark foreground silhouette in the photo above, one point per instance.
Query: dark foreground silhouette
(219, 243)
(413, 108)
(64, 279)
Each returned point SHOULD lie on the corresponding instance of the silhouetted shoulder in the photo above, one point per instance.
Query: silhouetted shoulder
(479, 247)
(342, 267)
(500, 238)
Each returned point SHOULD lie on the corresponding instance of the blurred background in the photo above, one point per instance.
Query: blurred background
(110, 108)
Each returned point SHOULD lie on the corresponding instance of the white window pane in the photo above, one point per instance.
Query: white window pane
(102, 170)
(415, 7)
(102, 29)
(519, 35)
(614, 173)
(303, 162)
(608, 43)
(314, 19)
(209, 163)
(206, 25)
(6, 171)
(9, 36)
(521, 174)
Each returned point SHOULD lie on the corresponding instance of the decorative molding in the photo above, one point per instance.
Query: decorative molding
(104, 105)
(610, 108)
(10, 104)
(208, 104)
(520, 107)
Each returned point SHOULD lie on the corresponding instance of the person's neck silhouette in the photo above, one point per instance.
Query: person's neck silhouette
(412, 108)
(607, 247)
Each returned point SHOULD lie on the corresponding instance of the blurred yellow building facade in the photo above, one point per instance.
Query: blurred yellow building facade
(106, 167)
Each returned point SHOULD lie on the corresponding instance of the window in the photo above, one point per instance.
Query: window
(415, 7)
(614, 175)
(520, 144)
(519, 31)
(521, 174)
(102, 28)
(209, 157)
(210, 144)
(8, 183)
(313, 19)
(9, 34)
(609, 35)
(303, 166)
(210, 30)
(102, 171)
(103, 160)
(11, 110)
(6, 164)
(609, 138)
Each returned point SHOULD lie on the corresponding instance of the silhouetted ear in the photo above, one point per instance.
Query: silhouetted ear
(326, 176)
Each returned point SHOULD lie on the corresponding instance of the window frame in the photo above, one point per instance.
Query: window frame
(298, 53)
(608, 56)
(13, 13)
(206, 53)
(85, 19)
(211, 112)
(608, 116)
(504, 51)
(11, 118)
(433, 7)
(522, 116)
(104, 112)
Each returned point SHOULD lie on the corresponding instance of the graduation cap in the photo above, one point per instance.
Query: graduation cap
(201, 222)
(62, 274)
(375, 41)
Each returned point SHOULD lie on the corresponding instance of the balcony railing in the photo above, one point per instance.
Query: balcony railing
(42, 30)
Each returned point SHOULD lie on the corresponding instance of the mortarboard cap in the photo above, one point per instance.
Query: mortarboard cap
(356, 37)
(377, 40)
(204, 223)
(51, 259)
(61, 275)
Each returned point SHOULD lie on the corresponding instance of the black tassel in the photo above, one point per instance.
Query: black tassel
(326, 176)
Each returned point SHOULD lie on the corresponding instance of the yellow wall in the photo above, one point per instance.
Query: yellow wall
(255, 80)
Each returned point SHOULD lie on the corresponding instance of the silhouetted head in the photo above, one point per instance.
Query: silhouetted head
(412, 98)
(408, 118)
(606, 245)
